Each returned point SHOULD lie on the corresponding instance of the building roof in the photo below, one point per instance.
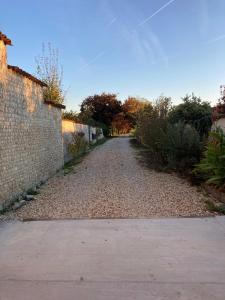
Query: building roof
(5, 39)
(23, 73)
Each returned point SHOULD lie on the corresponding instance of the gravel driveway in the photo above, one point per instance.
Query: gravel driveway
(110, 183)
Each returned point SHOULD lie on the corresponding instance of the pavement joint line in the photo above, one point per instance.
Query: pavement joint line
(112, 219)
(112, 281)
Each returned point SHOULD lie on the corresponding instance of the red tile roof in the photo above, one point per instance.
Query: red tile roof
(23, 73)
(4, 38)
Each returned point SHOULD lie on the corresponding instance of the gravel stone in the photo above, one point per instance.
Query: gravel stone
(16, 206)
(29, 197)
(19, 204)
(111, 183)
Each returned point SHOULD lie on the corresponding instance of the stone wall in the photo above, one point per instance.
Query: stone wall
(220, 123)
(69, 127)
(31, 148)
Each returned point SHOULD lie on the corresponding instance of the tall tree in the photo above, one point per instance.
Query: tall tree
(120, 124)
(193, 111)
(131, 108)
(102, 108)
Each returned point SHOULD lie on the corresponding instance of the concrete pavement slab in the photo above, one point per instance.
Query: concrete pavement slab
(180, 258)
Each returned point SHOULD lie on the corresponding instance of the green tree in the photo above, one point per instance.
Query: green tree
(85, 117)
(71, 115)
(193, 111)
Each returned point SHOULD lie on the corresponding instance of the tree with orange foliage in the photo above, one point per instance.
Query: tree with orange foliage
(132, 107)
(120, 124)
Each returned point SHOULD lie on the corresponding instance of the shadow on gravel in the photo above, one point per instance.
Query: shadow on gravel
(146, 158)
(152, 161)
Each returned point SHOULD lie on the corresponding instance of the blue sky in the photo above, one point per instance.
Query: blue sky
(130, 47)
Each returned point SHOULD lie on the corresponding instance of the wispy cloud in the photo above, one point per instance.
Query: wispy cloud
(216, 39)
(145, 46)
(156, 12)
(149, 45)
(140, 48)
(203, 17)
(111, 22)
(93, 60)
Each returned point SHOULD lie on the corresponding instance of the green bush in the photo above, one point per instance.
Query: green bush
(180, 146)
(174, 145)
(195, 112)
(70, 115)
(212, 166)
(78, 145)
(149, 132)
(151, 121)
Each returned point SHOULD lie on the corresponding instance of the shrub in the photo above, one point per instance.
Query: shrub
(151, 120)
(149, 131)
(49, 71)
(212, 166)
(70, 115)
(180, 146)
(193, 111)
(78, 145)
(176, 146)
